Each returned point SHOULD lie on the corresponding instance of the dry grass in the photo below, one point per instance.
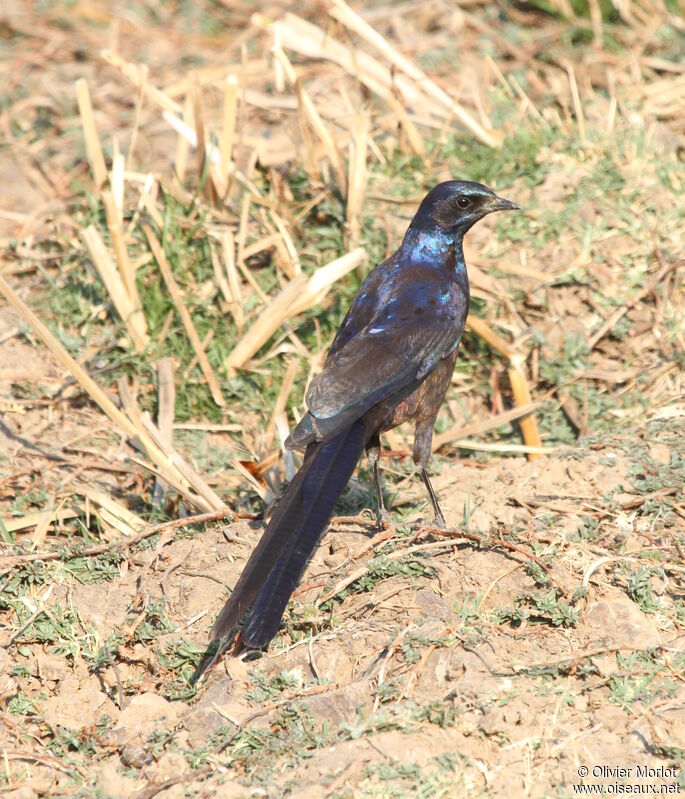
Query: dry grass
(192, 194)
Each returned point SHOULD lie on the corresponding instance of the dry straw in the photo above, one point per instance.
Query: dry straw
(343, 13)
(194, 491)
(343, 151)
(519, 385)
(183, 312)
(93, 149)
(314, 119)
(297, 296)
(166, 402)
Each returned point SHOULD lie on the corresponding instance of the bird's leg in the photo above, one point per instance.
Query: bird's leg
(373, 451)
(439, 518)
(423, 437)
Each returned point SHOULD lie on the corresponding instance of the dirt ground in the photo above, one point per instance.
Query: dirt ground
(424, 687)
(533, 648)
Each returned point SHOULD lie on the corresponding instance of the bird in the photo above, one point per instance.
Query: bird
(390, 362)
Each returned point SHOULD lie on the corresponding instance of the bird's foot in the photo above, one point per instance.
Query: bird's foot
(439, 522)
(436, 523)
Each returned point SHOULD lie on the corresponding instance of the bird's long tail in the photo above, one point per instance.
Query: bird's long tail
(277, 563)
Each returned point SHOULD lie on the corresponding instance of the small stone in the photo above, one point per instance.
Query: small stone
(145, 713)
(21, 793)
(85, 705)
(661, 453)
(431, 605)
(115, 785)
(619, 622)
(170, 764)
(134, 755)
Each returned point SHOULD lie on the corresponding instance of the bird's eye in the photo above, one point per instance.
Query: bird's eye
(463, 202)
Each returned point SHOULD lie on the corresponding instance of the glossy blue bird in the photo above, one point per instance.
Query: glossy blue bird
(390, 362)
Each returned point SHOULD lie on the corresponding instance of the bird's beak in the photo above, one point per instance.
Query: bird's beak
(500, 204)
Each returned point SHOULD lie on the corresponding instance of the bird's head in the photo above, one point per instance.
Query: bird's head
(456, 205)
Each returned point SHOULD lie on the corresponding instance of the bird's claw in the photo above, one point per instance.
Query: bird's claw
(436, 523)
(439, 522)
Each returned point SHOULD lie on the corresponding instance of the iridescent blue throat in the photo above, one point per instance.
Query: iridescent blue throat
(437, 248)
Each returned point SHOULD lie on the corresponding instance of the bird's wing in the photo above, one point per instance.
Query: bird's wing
(392, 353)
